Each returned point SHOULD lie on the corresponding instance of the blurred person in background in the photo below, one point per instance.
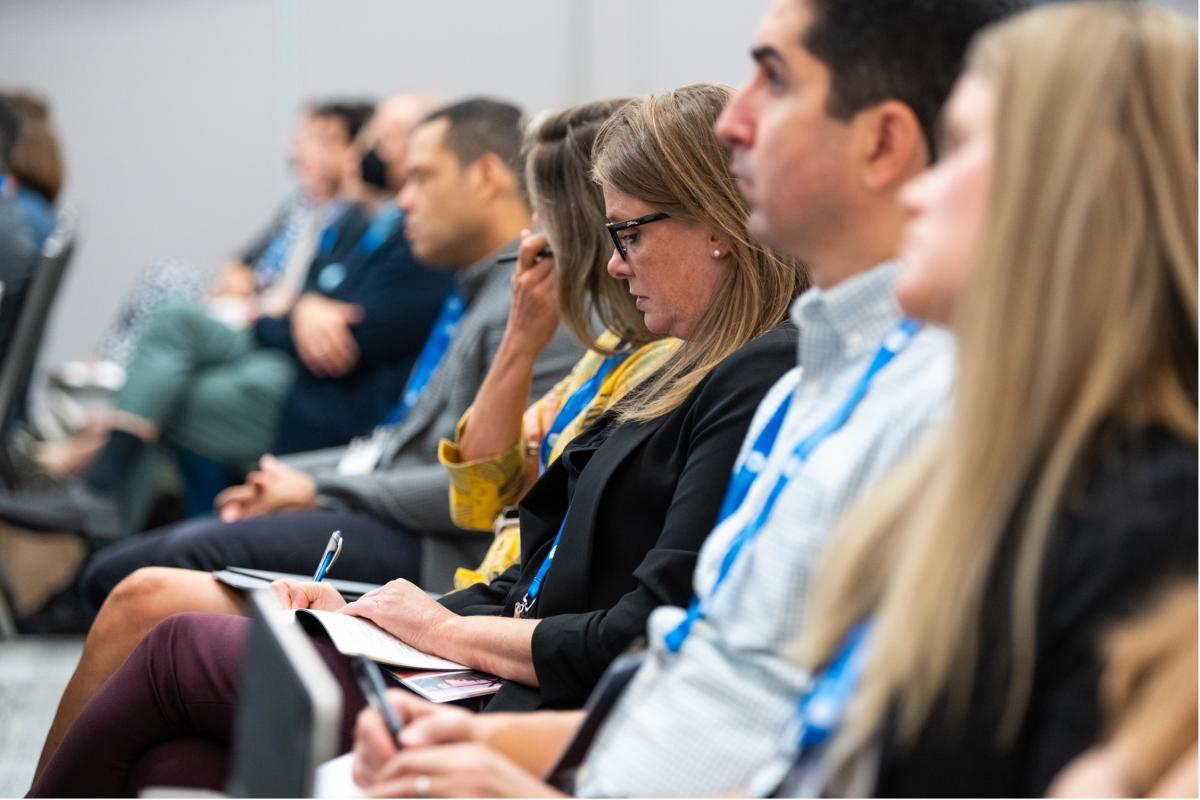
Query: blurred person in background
(36, 163)
(337, 358)
(18, 239)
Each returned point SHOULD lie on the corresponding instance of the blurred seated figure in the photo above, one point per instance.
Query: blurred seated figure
(215, 391)
(36, 163)
(1149, 693)
(266, 276)
(18, 248)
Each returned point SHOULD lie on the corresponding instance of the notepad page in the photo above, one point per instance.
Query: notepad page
(354, 635)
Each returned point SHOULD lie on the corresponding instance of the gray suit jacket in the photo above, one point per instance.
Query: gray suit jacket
(410, 488)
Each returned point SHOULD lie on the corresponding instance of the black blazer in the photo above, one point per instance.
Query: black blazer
(643, 498)
(1124, 534)
(400, 300)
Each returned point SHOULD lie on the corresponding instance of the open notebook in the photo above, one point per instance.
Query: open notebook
(356, 636)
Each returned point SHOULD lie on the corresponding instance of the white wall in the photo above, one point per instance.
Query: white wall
(175, 113)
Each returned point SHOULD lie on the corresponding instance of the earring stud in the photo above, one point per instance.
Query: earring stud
(716, 253)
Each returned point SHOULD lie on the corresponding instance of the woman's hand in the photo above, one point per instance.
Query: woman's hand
(533, 318)
(307, 594)
(468, 769)
(404, 610)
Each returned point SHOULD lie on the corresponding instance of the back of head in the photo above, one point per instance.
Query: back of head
(1079, 320)
(392, 123)
(481, 125)
(352, 114)
(36, 159)
(878, 50)
(662, 150)
(10, 129)
(570, 206)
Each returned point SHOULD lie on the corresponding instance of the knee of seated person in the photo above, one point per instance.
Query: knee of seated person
(172, 320)
(140, 600)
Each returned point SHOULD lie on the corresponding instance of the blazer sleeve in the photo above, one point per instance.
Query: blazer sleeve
(416, 496)
(483, 599)
(571, 651)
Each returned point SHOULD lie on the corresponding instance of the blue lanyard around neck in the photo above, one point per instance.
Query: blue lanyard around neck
(444, 328)
(378, 232)
(756, 461)
(523, 608)
(579, 400)
(822, 707)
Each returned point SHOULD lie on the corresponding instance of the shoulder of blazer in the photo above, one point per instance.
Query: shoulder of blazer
(762, 360)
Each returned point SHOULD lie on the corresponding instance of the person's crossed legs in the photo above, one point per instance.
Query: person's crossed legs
(134, 597)
(286, 542)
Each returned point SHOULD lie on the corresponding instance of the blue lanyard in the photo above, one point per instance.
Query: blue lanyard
(822, 707)
(756, 461)
(579, 400)
(378, 232)
(431, 355)
(535, 587)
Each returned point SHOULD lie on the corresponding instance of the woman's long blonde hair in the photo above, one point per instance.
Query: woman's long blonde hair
(1079, 319)
(570, 206)
(661, 150)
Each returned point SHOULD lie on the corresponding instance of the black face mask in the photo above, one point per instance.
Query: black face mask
(374, 170)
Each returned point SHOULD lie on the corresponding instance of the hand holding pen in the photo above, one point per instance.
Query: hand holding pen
(313, 594)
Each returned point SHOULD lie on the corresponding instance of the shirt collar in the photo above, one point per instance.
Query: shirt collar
(848, 320)
(471, 279)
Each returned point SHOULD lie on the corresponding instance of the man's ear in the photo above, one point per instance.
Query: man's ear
(492, 176)
(890, 144)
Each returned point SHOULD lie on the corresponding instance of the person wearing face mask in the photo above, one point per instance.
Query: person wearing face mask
(326, 370)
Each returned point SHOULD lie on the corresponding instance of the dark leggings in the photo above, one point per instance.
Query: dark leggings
(166, 718)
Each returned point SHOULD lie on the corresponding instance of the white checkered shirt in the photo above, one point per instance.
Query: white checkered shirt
(703, 720)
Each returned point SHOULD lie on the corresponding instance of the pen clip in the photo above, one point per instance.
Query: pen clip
(335, 544)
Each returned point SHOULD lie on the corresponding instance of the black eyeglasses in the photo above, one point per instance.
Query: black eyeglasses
(616, 227)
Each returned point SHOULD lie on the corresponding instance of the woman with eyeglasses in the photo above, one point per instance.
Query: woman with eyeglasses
(608, 532)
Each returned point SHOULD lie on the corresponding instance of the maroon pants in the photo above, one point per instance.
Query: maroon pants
(166, 718)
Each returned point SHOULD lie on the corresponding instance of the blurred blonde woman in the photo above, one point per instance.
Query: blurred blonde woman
(955, 629)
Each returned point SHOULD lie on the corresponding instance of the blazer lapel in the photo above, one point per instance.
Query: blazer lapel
(567, 584)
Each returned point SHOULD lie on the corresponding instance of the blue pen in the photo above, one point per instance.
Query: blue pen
(332, 551)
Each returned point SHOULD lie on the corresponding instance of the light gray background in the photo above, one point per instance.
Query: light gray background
(175, 113)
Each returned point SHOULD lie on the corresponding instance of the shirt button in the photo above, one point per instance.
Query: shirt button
(855, 341)
(812, 391)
